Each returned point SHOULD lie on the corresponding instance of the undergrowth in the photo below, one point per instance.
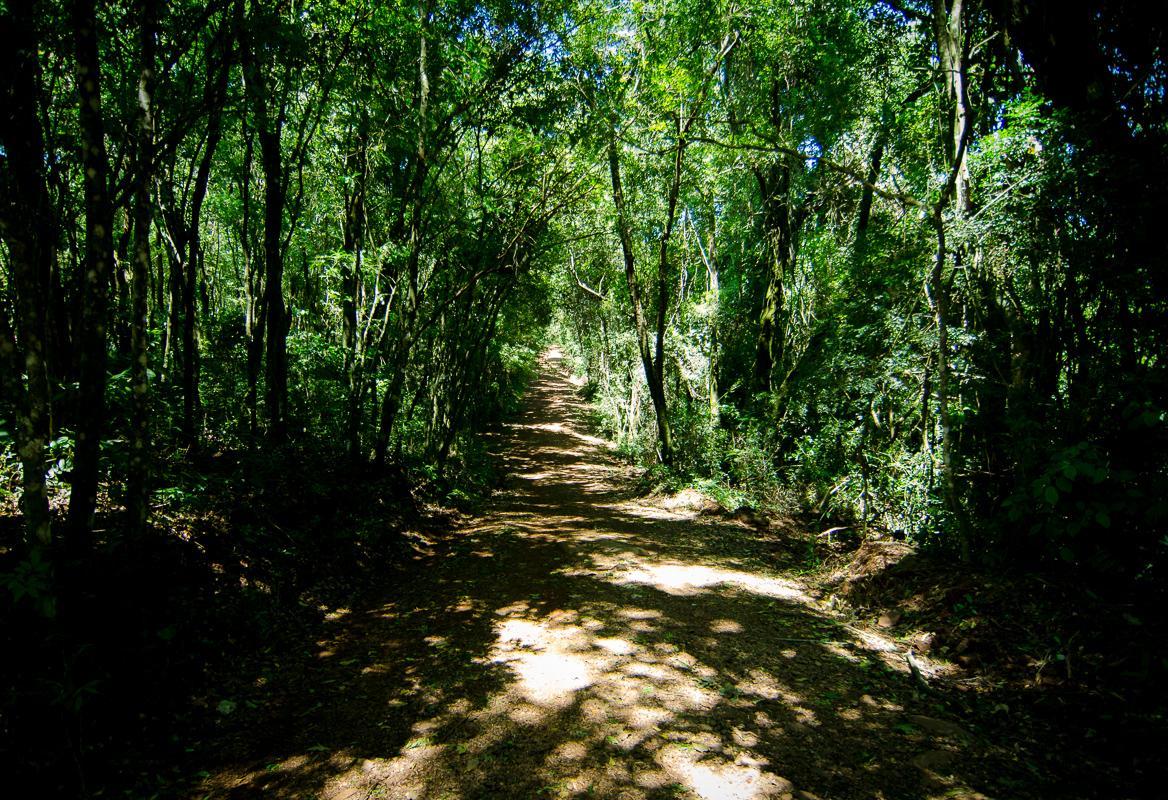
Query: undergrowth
(115, 659)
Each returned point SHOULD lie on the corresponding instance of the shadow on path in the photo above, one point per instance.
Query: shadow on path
(576, 641)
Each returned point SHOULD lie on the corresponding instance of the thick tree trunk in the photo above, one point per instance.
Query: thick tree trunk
(775, 190)
(94, 278)
(26, 215)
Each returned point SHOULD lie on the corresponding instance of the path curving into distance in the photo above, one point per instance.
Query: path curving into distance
(578, 641)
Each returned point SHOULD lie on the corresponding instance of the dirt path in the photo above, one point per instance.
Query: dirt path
(576, 641)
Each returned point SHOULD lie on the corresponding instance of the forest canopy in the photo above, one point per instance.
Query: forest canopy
(894, 261)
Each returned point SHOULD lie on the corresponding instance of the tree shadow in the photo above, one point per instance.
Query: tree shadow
(577, 641)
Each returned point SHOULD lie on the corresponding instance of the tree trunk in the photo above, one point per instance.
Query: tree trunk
(940, 295)
(137, 480)
(864, 215)
(185, 234)
(948, 30)
(94, 278)
(26, 226)
(171, 346)
(948, 24)
(275, 312)
(654, 376)
(268, 131)
(416, 197)
(775, 191)
(473, 372)
(353, 235)
(252, 287)
(664, 430)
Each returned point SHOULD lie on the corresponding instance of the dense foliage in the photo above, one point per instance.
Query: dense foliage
(891, 274)
(893, 263)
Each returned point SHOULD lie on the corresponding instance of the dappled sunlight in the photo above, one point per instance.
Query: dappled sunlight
(532, 476)
(762, 684)
(654, 513)
(562, 428)
(692, 579)
(631, 698)
(411, 773)
(573, 643)
(725, 626)
(712, 779)
(544, 658)
(616, 647)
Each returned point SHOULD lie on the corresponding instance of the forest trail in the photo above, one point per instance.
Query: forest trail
(578, 641)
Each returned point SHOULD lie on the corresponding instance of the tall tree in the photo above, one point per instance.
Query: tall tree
(684, 105)
(948, 20)
(137, 482)
(182, 198)
(27, 228)
(94, 280)
(268, 117)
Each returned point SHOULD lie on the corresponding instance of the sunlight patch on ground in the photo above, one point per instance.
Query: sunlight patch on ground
(640, 613)
(725, 626)
(571, 751)
(653, 513)
(717, 779)
(544, 658)
(629, 698)
(618, 647)
(892, 654)
(532, 476)
(408, 774)
(563, 429)
(762, 684)
(593, 440)
(692, 579)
